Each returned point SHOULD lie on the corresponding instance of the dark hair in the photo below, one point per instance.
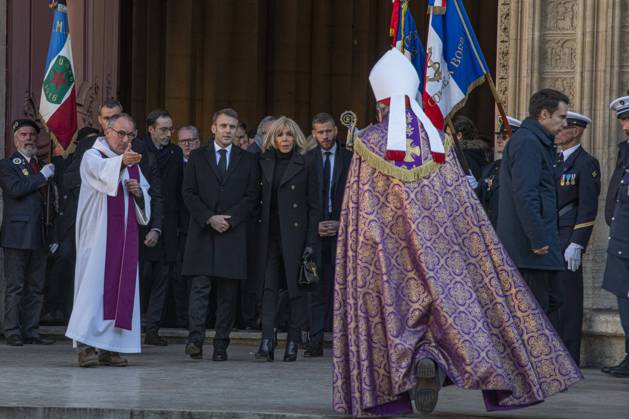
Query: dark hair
(154, 115)
(86, 132)
(322, 118)
(242, 125)
(225, 111)
(546, 99)
(466, 127)
(110, 104)
(123, 115)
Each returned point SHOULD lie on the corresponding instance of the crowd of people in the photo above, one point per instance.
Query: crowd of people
(228, 224)
(235, 219)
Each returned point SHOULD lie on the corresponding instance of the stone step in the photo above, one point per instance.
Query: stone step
(174, 335)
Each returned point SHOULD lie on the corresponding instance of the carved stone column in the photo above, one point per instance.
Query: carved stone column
(580, 47)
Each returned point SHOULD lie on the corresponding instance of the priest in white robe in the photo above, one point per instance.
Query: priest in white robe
(113, 201)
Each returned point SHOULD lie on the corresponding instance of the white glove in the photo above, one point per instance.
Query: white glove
(53, 248)
(472, 181)
(572, 255)
(48, 170)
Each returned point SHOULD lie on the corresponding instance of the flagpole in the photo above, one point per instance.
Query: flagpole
(488, 78)
(501, 110)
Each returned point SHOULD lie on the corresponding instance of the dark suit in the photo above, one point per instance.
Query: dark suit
(489, 186)
(158, 262)
(298, 199)
(210, 256)
(616, 279)
(22, 237)
(527, 217)
(321, 294)
(578, 186)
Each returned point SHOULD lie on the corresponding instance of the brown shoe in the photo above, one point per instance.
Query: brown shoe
(88, 358)
(112, 359)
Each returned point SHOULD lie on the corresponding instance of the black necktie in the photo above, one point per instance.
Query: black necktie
(222, 162)
(560, 158)
(326, 182)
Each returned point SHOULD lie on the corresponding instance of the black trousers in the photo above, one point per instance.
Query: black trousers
(274, 276)
(539, 282)
(566, 308)
(623, 309)
(322, 293)
(249, 298)
(59, 291)
(181, 286)
(25, 272)
(226, 308)
(156, 277)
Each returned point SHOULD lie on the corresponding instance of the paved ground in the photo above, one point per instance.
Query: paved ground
(164, 383)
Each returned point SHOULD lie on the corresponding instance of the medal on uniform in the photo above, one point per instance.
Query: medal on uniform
(574, 179)
(490, 183)
(563, 180)
(24, 171)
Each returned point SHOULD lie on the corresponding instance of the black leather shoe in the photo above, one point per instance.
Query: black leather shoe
(194, 351)
(313, 350)
(14, 340)
(266, 351)
(290, 354)
(621, 371)
(154, 339)
(219, 355)
(38, 340)
(623, 364)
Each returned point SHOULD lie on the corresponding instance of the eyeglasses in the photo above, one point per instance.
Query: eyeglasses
(122, 134)
(188, 141)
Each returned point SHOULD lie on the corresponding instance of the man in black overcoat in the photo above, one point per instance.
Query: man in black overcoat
(24, 180)
(527, 217)
(333, 160)
(159, 250)
(578, 180)
(220, 189)
(616, 279)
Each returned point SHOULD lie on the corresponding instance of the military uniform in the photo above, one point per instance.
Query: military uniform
(616, 278)
(578, 186)
(490, 180)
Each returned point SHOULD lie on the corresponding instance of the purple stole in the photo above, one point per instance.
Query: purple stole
(121, 257)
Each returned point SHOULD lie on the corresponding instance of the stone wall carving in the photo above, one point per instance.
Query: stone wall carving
(560, 15)
(558, 46)
(502, 50)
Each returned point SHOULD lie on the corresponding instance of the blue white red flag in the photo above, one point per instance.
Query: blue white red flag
(454, 61)
(57, 105)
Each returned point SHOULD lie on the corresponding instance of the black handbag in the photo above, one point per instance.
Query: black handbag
(308, 275)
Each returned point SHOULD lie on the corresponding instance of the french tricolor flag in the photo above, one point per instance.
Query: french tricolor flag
(454, 61)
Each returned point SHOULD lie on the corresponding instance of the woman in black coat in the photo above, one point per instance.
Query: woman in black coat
(290, 213)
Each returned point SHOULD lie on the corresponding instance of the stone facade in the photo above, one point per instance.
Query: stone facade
(580, 47)
(3, 89)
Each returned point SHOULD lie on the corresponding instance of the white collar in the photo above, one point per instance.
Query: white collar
(217, 148)
(332, 150)
(101, 145)
(567, 152)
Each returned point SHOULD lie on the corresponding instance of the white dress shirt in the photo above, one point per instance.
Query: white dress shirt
(567, 152)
